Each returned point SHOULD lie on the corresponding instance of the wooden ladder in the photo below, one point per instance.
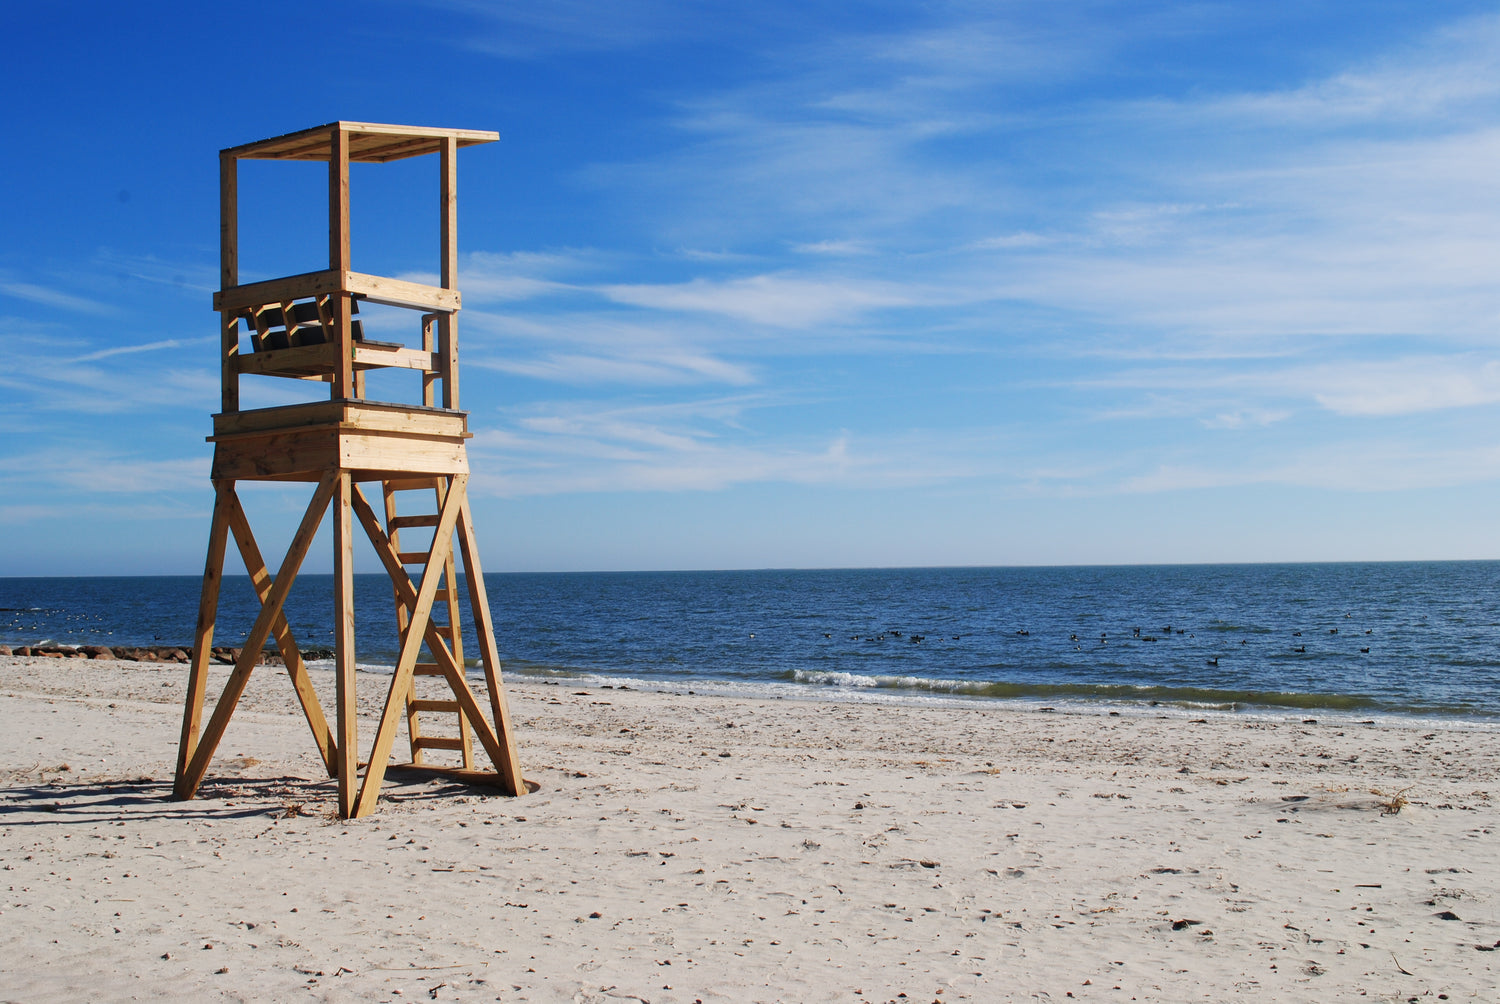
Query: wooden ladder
(451, 632)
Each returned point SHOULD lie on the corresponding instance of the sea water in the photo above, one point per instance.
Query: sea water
(1405, 638)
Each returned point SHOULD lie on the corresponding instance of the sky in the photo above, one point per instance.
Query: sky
(792, 284)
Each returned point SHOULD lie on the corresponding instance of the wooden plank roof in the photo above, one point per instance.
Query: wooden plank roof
(370, 142)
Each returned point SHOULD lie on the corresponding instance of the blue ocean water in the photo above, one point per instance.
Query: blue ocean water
(1418, 638)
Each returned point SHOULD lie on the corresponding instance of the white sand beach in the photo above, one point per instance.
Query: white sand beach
(699, 848)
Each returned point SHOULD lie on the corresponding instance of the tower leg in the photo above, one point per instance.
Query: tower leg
(343, 617)
(203, 634)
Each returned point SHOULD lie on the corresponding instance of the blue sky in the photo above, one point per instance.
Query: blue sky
(768, 284)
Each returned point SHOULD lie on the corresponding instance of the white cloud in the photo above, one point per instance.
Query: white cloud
(775, 300)
(642, 369)
(1361, 466)
(1406, 385)
(93, 471)
(170, 343)
(1020, 239)
(834, 248)
(1456, 67)
(193, 277)
(1245, 418)
(701, 445)
(48, 297)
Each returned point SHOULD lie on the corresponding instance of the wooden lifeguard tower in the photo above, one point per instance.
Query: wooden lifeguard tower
(305, 327)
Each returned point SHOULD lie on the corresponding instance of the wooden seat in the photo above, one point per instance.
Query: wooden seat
(311, 325)
(296, 338)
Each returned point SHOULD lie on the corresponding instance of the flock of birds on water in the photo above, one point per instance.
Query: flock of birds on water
(1166, 631)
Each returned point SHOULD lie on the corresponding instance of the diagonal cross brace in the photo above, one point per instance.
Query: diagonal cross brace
(406, 594)
(191, 777)
(255, 565)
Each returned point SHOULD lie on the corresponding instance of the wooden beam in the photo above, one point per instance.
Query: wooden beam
(375, 288)
(338, 199)
(508, 763)
(430, 378)
(401, 293)
(203, 634)
(447, 324)
(260, 581)
(187, 784)
(448, 212)
(291, 287)
(448, 358)
(385, 736)
(373, 141)
(363, 415)
(229, 275)
(338, 258)
(343, 619)
(229, 221)
(229, 362)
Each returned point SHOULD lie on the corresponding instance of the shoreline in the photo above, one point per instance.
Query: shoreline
(851, 688)
(745, 849)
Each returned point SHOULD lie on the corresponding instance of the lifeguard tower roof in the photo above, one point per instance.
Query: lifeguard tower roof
(369, 142)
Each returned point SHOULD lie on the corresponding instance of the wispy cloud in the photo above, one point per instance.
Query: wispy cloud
(834, 248)
(196, 277)
(642, 369)
(701, 445)
(49, 297)
(92, 471)
(1405, 385)
(1455, 68)
(170, 343)
(520, 30)
(1364, 466)
(776, 300)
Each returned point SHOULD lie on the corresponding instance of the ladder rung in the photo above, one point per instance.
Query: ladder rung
(440, 706)
(412, 557)
(428, 669)
(437, 743)
(410, 484)
(402, 522)
(446, 630)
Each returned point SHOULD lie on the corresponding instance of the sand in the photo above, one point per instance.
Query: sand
(702, 848)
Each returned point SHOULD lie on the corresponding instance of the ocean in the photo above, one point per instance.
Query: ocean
(1354, 639)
